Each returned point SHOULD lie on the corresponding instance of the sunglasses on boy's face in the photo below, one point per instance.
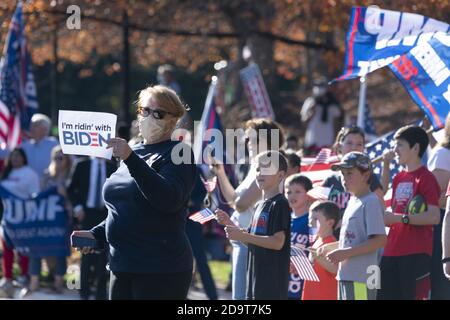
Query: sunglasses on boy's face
(155, 113)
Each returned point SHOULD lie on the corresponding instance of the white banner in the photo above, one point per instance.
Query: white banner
(86, 133)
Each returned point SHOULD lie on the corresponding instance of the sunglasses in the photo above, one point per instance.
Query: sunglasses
(155, 113)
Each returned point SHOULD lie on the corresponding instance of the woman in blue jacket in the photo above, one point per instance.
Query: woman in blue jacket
(150, 254)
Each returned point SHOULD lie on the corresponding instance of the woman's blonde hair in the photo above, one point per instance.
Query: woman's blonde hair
(166, 99)
(446, 141)
(52, 166)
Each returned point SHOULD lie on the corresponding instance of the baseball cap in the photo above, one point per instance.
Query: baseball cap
(353, 160)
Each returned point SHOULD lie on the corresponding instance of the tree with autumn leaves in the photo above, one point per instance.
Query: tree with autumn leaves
(293, 41)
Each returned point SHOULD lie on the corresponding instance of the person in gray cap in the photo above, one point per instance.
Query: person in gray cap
(362, 232)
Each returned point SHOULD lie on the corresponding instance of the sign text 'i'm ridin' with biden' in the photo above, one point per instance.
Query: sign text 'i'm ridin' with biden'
(86, 133)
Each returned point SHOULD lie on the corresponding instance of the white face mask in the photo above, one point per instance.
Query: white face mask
(151, 129)
(319, 91)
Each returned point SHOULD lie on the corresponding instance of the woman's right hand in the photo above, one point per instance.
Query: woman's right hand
(84, 234)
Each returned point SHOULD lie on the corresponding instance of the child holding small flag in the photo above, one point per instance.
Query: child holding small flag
(324, 215)
(362, 232)
(296, 187)
(268, 236)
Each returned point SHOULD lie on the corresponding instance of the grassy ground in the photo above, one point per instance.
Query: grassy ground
(221, 272)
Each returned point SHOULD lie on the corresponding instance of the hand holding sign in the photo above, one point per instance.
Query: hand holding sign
(120, 148)
(86, 133)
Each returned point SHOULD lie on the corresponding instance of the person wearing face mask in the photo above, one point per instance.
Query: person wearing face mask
(322, 114)
(150, 254)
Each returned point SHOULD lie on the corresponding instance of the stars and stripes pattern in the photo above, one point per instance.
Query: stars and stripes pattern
(202, 216)
(18, 99)
(256, 92)
(369, 125)
(376, 149)
(302, 264)
(318, 168)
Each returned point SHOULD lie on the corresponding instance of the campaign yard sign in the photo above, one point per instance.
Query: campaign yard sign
(86, 133)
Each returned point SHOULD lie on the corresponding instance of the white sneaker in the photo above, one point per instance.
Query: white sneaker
(23, 281)
(6, 288)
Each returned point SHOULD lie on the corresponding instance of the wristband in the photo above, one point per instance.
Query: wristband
(405, 219)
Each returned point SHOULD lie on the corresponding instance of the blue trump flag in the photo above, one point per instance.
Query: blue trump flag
(36, 227)
(425, 73)
(377, 37)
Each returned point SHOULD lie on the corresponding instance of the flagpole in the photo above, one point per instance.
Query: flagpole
(54, 76)
(362, 101)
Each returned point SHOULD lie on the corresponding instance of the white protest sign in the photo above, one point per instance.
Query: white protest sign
(86, 133)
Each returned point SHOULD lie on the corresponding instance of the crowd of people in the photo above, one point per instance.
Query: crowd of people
(138, 208)
(356, 235)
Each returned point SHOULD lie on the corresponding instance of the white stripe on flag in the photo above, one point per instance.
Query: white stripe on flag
(303, 266)
(4, 109)
(13, 138)
(319, 193)
(202, 216)
(317, 177)
(3, 127)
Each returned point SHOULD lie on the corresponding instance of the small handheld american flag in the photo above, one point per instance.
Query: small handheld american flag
(202, 216)
(318, 168)
(301, 263)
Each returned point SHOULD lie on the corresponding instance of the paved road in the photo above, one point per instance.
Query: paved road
(47, 294)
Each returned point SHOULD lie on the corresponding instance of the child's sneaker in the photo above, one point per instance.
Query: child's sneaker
(23, 281)
(6, 288)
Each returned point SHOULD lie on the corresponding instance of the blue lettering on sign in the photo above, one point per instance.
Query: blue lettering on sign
(83, 138)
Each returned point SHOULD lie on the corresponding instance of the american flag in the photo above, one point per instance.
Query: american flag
(376, 149)
(18, 100)
(369, 125)
(256, 92)
(302, 264)
(319, 168)
(202, 216)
